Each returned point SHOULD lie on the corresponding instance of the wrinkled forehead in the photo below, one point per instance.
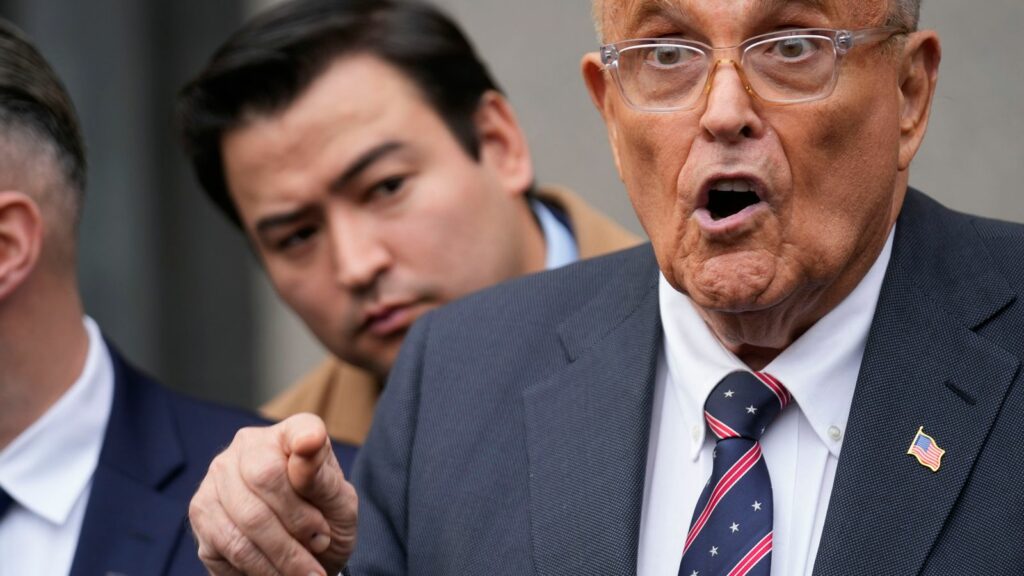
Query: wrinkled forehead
(620, 19)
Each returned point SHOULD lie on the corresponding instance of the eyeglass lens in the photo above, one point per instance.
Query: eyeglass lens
(669, 76)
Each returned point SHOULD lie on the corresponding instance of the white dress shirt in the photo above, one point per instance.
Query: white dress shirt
(48, 471)
(560, 245)
(801, 448)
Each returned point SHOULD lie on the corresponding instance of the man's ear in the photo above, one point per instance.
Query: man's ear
(598, 83)
(502, 143)
(21, 239)
(919, 73)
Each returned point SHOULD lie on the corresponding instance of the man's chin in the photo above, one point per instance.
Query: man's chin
(380, 359)
(732, 283)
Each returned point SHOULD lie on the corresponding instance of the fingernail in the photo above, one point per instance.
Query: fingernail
(319, 543)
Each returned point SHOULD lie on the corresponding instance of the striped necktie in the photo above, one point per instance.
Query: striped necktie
(731, 530)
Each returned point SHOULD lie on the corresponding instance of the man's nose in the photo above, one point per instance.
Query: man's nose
(359, 254)
(729, 113)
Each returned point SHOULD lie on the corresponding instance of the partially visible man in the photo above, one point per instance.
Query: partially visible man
(367, 153)
(97, 461)
(853, 347)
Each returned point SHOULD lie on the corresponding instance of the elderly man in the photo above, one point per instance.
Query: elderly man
(97, 461)
(366, 152)
(853, 347)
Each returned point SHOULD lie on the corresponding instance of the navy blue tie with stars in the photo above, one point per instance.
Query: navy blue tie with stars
(731, 530)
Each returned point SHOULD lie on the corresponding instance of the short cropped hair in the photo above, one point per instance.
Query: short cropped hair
(265, 66)
(905, 13)
(34, 103)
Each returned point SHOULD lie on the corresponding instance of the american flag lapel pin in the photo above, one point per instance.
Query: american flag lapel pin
(926, 450)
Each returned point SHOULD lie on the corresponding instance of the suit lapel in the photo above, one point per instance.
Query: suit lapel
(130, 526)
(129, 530)
(587, 432)
(924, 366)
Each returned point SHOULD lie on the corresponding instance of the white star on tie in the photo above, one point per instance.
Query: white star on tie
(751, 409)
(735, 527)
(729, 393)
(695, 573)
(714, 551)
(756, 506)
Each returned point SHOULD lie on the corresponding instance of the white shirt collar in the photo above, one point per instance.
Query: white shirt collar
(561, 246)
(819, 369)
(49, 465)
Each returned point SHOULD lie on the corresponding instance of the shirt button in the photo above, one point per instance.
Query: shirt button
(695, 433)
(835, 433)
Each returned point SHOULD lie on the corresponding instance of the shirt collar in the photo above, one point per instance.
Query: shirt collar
(819, 369)
(50, 464)
(561, 246)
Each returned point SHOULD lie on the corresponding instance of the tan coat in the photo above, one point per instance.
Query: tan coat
(345, 396)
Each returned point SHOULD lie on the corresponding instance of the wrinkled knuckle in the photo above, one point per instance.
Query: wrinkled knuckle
(253, 517)
(302, 521)
(239, 551)
(217, 467)
(292, 558)
(208, 555)
(243, 436)
(265, 476)
(196, 511)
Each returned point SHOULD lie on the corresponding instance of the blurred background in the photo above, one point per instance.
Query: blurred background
(177, 289)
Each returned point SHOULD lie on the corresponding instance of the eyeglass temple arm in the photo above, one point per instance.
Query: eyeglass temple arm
(847, 40)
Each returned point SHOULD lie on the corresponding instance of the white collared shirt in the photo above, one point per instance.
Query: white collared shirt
(560, 245)
(801, 448)
(48, 470)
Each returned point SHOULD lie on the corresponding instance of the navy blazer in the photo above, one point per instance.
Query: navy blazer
(156, 450)
(512, 437)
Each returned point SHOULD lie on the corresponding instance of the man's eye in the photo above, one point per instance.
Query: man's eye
(296, 238)
(666, 56)
(387, 187)
(793, 48)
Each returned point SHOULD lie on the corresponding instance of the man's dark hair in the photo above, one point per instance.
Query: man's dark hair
(33, 99)
(274, 57)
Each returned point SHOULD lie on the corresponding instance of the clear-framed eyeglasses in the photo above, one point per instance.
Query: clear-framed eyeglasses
(786, 67)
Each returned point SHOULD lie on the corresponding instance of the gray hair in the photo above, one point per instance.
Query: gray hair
(905, 13)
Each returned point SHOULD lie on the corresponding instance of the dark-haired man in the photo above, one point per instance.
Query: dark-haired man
(369, 156)
(813, 369)
(97, 461)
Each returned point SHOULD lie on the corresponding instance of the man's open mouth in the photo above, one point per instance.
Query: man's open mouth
(729, 197)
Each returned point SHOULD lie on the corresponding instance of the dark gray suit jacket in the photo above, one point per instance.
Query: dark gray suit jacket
(512, 436)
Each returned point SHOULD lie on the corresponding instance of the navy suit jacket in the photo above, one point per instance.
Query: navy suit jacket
(156, 450)
(512, 437)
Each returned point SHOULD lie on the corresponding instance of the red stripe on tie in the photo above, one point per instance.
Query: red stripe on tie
(721, 429)
(729, 479)
(756, 554)
(775, 386)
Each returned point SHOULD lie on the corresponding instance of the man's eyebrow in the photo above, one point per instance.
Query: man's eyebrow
(352, 172)
(669, 10)
(283, 219)
(770, 6)
(660, 9)
(364, 162)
